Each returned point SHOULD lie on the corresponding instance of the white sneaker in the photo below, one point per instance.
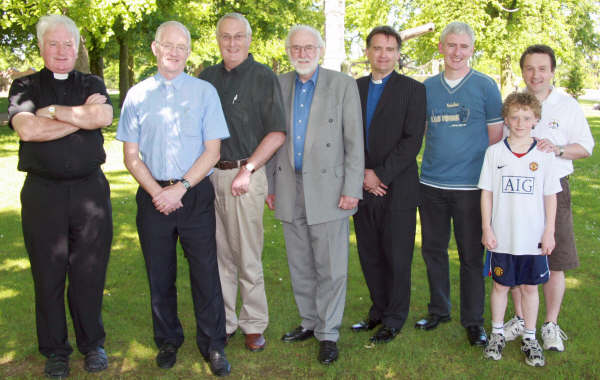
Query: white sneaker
(534, 356)
(494, 347)
(553, 337)
(514, 328)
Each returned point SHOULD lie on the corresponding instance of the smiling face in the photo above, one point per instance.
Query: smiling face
(234, 42)
(59, 50)
(538, 74)
(520, 121)
(171, 51)
(383, 53)
(457, 49)
(304, 53)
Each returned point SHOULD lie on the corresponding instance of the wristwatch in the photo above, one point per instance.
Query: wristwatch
(561, 150)
(52, 111)
(250, 167)
(186, 184)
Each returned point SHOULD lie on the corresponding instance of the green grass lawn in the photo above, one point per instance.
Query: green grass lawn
(440, 354)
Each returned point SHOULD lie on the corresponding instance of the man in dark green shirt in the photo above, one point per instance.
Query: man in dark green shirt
(252, 102)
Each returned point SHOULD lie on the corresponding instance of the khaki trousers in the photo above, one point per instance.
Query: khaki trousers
(239, 250)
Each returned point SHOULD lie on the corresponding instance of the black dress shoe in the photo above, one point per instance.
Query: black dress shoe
(328, 352)
(365, 325)
(57, 366)
(219, 365)
(384, 334)
(96, 360)
(297, 335)
(167, 356)
(431, 321)
(476, 335)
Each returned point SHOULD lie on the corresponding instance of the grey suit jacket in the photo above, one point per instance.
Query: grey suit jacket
(333, 163)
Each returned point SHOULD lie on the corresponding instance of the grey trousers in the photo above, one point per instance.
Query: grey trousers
(318, 261)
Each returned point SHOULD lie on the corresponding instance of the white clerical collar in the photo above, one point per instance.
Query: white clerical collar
(60, 76)
(376, 81)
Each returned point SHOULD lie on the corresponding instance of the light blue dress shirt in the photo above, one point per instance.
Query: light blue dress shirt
(170, 121)
(303, 96)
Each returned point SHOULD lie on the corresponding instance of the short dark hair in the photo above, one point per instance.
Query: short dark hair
(539, 49)
(522, 100)
(386, 30)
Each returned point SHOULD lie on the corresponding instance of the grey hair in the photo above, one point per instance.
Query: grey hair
(49, 22)
(235, 16)
(457, 27)
(177, 24)
(298, 28)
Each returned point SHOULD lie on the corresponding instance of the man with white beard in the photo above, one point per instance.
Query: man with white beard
(313, 194)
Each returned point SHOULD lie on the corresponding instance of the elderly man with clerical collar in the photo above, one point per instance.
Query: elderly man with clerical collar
(315, 184)
(253, 107)
(66, 212)
(171, 126)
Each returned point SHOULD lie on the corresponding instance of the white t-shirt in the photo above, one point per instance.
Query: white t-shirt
(563, 122)
(518, 185)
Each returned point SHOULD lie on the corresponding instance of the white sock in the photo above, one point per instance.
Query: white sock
(498, 328)
(529, 334)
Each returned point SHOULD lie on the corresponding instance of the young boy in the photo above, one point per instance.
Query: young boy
(518, 209)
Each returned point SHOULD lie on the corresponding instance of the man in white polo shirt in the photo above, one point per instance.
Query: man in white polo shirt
(564, 130)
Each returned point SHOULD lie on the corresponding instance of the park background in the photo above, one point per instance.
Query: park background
(115, 45)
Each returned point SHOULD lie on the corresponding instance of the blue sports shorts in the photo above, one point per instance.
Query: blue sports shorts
(513, 270)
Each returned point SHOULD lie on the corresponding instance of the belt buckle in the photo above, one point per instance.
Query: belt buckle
(172, 181)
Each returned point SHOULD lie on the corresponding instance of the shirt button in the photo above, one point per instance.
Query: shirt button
(299, 121)
(299, 154)
(331, 120)
(328, 145)
(301, 105)
(298, 137)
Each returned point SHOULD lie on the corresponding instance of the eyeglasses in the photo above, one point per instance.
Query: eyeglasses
(228, 37)
(180, 49)
(308, 49)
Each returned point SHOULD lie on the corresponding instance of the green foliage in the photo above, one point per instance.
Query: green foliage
(574, 84)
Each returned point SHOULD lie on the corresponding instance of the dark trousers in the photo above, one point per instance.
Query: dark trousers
(67, 228)
(463, 208)
(385, 240)
(194, 226)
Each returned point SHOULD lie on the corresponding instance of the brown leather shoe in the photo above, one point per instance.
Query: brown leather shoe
(255, 342)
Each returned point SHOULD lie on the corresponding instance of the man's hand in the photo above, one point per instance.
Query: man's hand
(169, 199)
(44, 112)
(241, 182)
(347, 202)
(270, 201)
(373, 184)
(96, 98)
(546, 146)
(488, 239)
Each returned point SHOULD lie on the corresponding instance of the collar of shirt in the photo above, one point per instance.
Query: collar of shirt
(176, 82)
(241, 67)
(312, 79)
(382, 81)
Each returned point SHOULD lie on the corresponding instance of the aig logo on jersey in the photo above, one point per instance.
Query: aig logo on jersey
(518, 184)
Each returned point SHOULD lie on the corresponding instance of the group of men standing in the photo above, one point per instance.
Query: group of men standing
(317, 145)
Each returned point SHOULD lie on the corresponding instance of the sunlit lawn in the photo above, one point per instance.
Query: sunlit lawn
(440, 354)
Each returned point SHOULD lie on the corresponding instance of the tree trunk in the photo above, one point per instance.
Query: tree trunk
(97, 63)
(123, 69)
(130, 71)
(82, 63)
(335, 53)
(505, 75)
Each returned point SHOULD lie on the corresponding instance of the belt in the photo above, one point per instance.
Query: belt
(168, 182)
(226, 165)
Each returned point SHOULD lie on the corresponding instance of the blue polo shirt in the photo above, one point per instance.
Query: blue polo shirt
(303, 96)
(170, 121)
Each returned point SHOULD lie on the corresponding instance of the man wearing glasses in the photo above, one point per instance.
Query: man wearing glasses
(171, 126)
(317, 179)
(251, 100)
